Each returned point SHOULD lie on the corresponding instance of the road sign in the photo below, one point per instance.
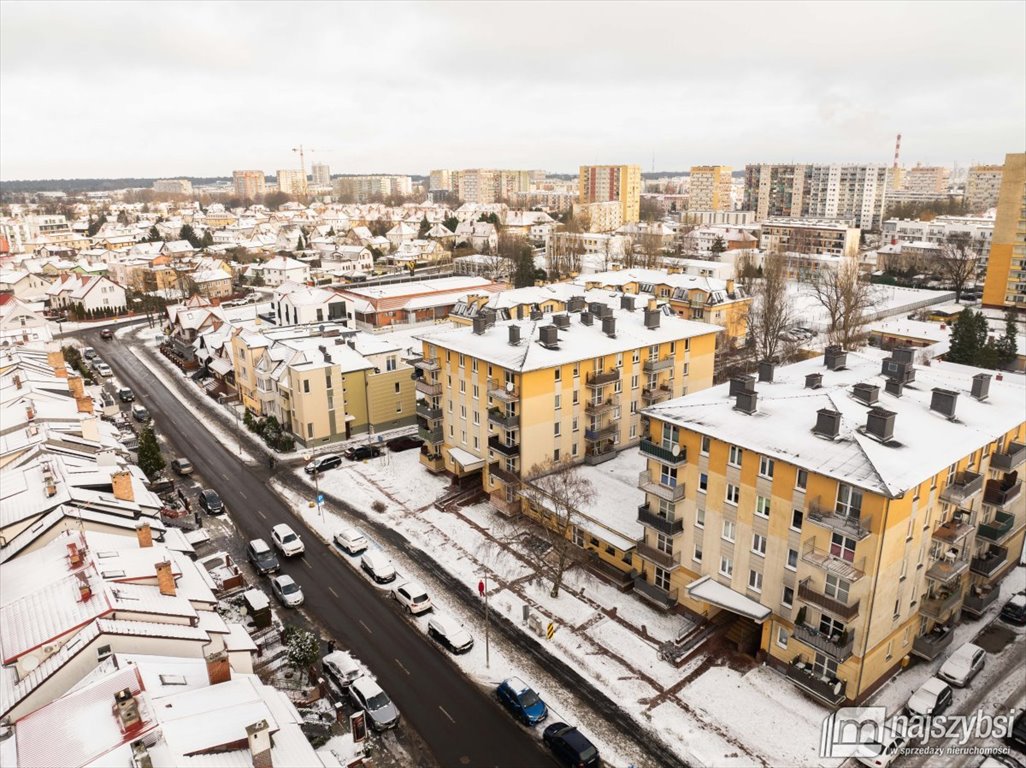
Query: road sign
(550, 630)
(320, 498)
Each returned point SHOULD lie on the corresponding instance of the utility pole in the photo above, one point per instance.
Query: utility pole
(482, 588)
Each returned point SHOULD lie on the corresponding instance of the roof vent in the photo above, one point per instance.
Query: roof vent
(880, 424)
(549, 336)
(537, 314)
(577, 304)
(981, 386)
(894, 387)
(828, 423)
(595, 307)
(904, 354)
(627, 302)
(561, 321)
(520, 311)
(609, 326)
(866, 394)
(587, 318)
(813, 380)
(480, 324)
(766, 370)
(606, 311)
(740, 384)
(514, 334)
(896, 369)
(835, 358)
(944, 401)
(747, 401)
(652, 318)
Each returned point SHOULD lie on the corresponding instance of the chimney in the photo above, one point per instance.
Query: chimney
(17, 381)
(595, 308)
(85, 591)
(835, 358)
(944, 402)
(55, 359)
(904, 354)
(577, 304)
(218, 668)
(981, 386)
(766, 370)
(141, 755)
(74, 556)
(85, 404)
(609, 326)
(627, 302)
(30, 413)
(894, 387)
(166, 579)
(893, 368)
(520, 311)
(867, 394)
(747, 401)
(259, 736)
(561, 320)
(537, 314)
(122, 484)
(144, 534)
(127, 709)
(652, 318)
(480, 324)
(587, 318)
(740, 384)
(880, 424)
(514, 335)
(90, 428)
(828, 423)
(813, 380)
(75, 386)
(548, 336)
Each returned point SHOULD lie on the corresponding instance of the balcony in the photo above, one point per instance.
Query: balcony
(657, 556)
(668, 492)
(500, 502)
(954, 530)
(501, 418)
(599, 407)
(852, 570)
(1010, 458)
(998, 528)
(607, 432)
(431, 435)
(1001, 493)
(659, 523)
(653, 396)
(964, 486)
(428, 364)
(505, 393)
(846, 610)
(429, 388)
(432, 461)
(829, 690)
(602, 378)
(932, 644)
(946, 571)
(838, 647)
(850, 525)
(499, 445)
(654, 366)
(991, 562)
(427, 411)
(598, 453)
(498, 470)
(976, 602)
(939, 606)
(657, 596)
(665, 455)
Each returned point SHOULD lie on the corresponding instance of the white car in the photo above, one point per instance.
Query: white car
(104, 370)
(445, 631)
(932, 698)
(378, 567)
(962, 665)
(341, 668)
(351, 541)
(883, 749)
(413, 597)
(287, 541)
(287, 591)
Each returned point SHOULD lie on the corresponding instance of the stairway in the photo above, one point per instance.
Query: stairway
(744, 634)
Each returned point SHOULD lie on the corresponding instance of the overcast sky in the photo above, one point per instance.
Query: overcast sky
(168, 89)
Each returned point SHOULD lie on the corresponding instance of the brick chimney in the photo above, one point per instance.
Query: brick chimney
(85, 591)
(144, 534)
(259, 736)
(75, 385)
(122, 483)
(85, 404)
(74, 555)
(90, 428)
(166, 579)
(55, 359)
(127, 709)
(218, 668)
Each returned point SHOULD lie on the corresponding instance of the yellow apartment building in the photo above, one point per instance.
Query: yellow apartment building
(709, 188)
(1005, 285)
(845, 510)
(500, 397)
(603, 183)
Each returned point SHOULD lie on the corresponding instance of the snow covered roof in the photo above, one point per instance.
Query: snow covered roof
(714, 593)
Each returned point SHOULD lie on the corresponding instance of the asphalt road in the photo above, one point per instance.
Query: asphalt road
(460, 723)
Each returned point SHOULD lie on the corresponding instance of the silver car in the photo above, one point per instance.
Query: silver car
(287, 591)
(368, 696)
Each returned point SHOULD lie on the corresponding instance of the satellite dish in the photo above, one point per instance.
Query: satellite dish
(675, 450)
(509, 386)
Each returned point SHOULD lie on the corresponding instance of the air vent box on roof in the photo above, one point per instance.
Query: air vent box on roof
(549, 336)
(944, 402)
(828, 423)
(880, 424)
(865, 393)
(981, 386)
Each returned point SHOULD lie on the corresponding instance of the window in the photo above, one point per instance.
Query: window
(787, 599)
(733, 493)
(670, 437)
(726, 566)
(463, 387)
(667, 476)
(473, 365)
(759, 544)
(824, 666)
(559, 400)
(802, 480)
(700, 517)
(555, 429)
(636, 357)
(462, 361)
(729, 527)
(792, 560)
(849, 501)
(634, 381)
(830, 626)
(705, 445)
(579, 537)
(735, 456)
(797, 517)
(703, 482)
(574, 426)
(558, 373)
(397, 388)
(575, 398)
(306, 385)
(390, 363)
(309, 429)
(555, 454)
(661, 578)
(837, 588)
(765, 467)
(577, 371)
(664, 543)
(477, 392)
(782, 637)
(755, 581)
(762, 506)
(843, 547)
(477, 417)
(697, 557)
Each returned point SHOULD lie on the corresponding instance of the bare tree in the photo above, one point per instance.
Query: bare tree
(847, 296)
(958, 261)
(772, 310)
(651, 246)
(556, 493)
(745, 271)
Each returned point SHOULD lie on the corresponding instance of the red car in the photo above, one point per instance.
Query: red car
(106, 334)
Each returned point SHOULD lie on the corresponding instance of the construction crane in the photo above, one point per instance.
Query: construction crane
(302, 163)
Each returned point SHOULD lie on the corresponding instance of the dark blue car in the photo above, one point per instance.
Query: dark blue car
(522, 701)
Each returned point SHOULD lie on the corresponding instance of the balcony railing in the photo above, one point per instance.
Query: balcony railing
(1010, 458)
(953, 531)
(659, 523)
(1000, 493)
(665, 455)
(429, 388)
(429, 412)
(503, 419)
(499, 445)
(946, 571)
(977, 600)
(598, 453)
(964, 486)
(428, 364)
(990, 562)
(932, 644)
(429, 435)
(837, 646)
(607, 432)
(654, 366)
(649, 484)
(998, 528)
(498, 390)
(433, 461)
(843, 610)
(498, 469)
(599, 407)
(657, 395)
(852, 570)
(657, 556)
(850, 525)
(659, 597)
(504, 505)
(602, 378)
(939, 606)
(829, 690)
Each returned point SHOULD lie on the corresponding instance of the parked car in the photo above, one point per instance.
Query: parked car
(341, 668)
(368, 696)
(1016, 736)
(521, 701)
(883, 748)
(140, 414)
(570, 746)
(445, 631)
(323, 463)
(361, 452)
(126, 395)
(404, 443)
(287, 541)
(413, 597)
(106, 334)
(181, 466)
(351, 541)
(262, 556)
(211, 502)
(287, 591)
(104, 370)
(1014, 611)
(931, 699)
(88, 353)
(963, 665)
(378, 567)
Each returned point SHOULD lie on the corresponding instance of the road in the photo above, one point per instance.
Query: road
(460, 723)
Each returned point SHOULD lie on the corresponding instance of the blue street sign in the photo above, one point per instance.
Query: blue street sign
(320, 498)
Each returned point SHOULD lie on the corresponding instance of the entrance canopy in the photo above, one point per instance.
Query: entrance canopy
(466, 459)
(709, 591)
